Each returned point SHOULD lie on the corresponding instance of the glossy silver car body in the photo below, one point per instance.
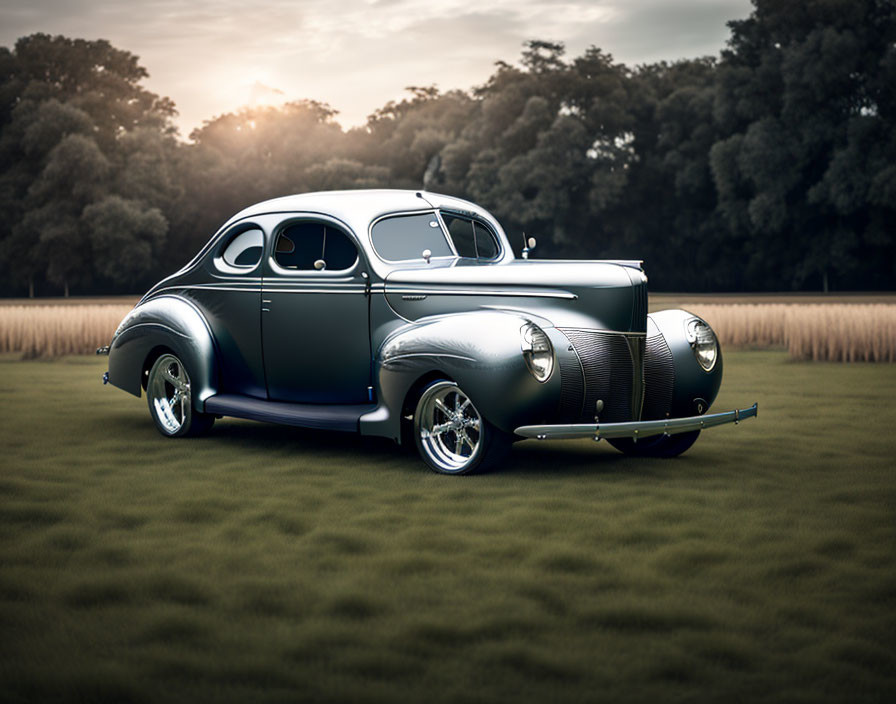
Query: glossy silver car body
(356, 339)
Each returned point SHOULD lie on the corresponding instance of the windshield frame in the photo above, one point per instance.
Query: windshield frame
(454, 256)
(475, 220)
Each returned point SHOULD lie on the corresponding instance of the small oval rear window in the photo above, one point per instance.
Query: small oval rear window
(244, 250)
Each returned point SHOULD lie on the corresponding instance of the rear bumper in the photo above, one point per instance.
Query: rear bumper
(635, 429)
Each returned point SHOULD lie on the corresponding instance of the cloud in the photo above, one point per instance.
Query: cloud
(211, 57)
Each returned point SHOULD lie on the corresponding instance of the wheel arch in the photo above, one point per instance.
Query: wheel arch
(412, 397)
(164, 324)
(151, 358)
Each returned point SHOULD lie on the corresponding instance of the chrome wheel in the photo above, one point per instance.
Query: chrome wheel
(168, 392)
(448, 428)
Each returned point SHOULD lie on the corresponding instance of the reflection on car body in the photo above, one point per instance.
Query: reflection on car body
(406, 315)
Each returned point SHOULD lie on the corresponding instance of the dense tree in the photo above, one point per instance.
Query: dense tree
(805, 100)
(667, 213)
(76, 127)
(769, 167)
(406, 136)
(125, 237)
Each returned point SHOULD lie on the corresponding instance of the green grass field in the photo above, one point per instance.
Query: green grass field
(264, 563)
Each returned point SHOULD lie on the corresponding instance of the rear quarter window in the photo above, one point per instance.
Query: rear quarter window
(244, 250)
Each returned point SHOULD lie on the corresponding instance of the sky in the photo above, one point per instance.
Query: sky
(212, 57)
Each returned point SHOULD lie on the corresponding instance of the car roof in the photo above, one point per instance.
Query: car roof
(359, 207)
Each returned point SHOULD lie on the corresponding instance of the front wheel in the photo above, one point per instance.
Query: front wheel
(451, 436)
(170, 399)
(657, 445)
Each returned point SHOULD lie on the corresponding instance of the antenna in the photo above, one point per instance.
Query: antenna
(321, 263)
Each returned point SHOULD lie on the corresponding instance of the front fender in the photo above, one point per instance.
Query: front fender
(480, 351)
(168, 322)
(694, 389)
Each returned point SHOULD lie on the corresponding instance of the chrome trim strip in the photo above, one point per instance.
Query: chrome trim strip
(266, 289)
(314, 290)
(206, 287)
(483, 292)
(624, 333)
(411, 355)
(635, 429)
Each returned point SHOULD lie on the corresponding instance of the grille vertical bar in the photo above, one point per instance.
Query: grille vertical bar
(636, 349)
(639, 307)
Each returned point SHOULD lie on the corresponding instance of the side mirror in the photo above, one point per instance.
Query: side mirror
(427, 255)
(320, 264)
(529, 246)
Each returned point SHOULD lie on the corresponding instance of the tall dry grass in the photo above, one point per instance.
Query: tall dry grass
(55, 331)
(852, 334)
(746, 325)
(822, 332)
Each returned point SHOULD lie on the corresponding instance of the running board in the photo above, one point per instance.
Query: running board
(305, 415)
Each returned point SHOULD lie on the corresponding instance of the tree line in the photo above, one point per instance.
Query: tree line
(769, 167)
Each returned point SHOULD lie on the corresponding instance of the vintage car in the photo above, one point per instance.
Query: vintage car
(405, 314)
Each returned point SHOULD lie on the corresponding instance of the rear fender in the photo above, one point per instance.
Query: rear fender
(165, 322)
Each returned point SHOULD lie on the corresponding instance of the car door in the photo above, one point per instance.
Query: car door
(315, 313)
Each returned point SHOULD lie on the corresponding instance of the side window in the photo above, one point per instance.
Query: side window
(472, 238)
(301, 245)
(244, 250)
(404, 237)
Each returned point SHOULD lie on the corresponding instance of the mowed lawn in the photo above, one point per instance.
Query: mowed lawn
(265, 563)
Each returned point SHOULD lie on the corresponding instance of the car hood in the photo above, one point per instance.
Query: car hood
(595, 294)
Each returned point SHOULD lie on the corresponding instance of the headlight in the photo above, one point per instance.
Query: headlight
(537, 351)
(703, 341)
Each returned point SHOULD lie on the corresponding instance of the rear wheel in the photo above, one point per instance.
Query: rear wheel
(170, 399)
(657, 445)
(451, 436)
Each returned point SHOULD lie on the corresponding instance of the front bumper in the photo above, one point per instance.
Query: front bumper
(635, 429)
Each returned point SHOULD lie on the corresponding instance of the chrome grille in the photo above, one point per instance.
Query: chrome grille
(609, 372)
(659, 378)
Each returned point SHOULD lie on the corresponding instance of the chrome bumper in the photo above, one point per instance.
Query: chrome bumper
(635, 429)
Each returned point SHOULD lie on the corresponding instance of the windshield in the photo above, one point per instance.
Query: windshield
(405, 237)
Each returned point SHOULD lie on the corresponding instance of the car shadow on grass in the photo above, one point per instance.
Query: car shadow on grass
(570, 459)
(527, 459)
